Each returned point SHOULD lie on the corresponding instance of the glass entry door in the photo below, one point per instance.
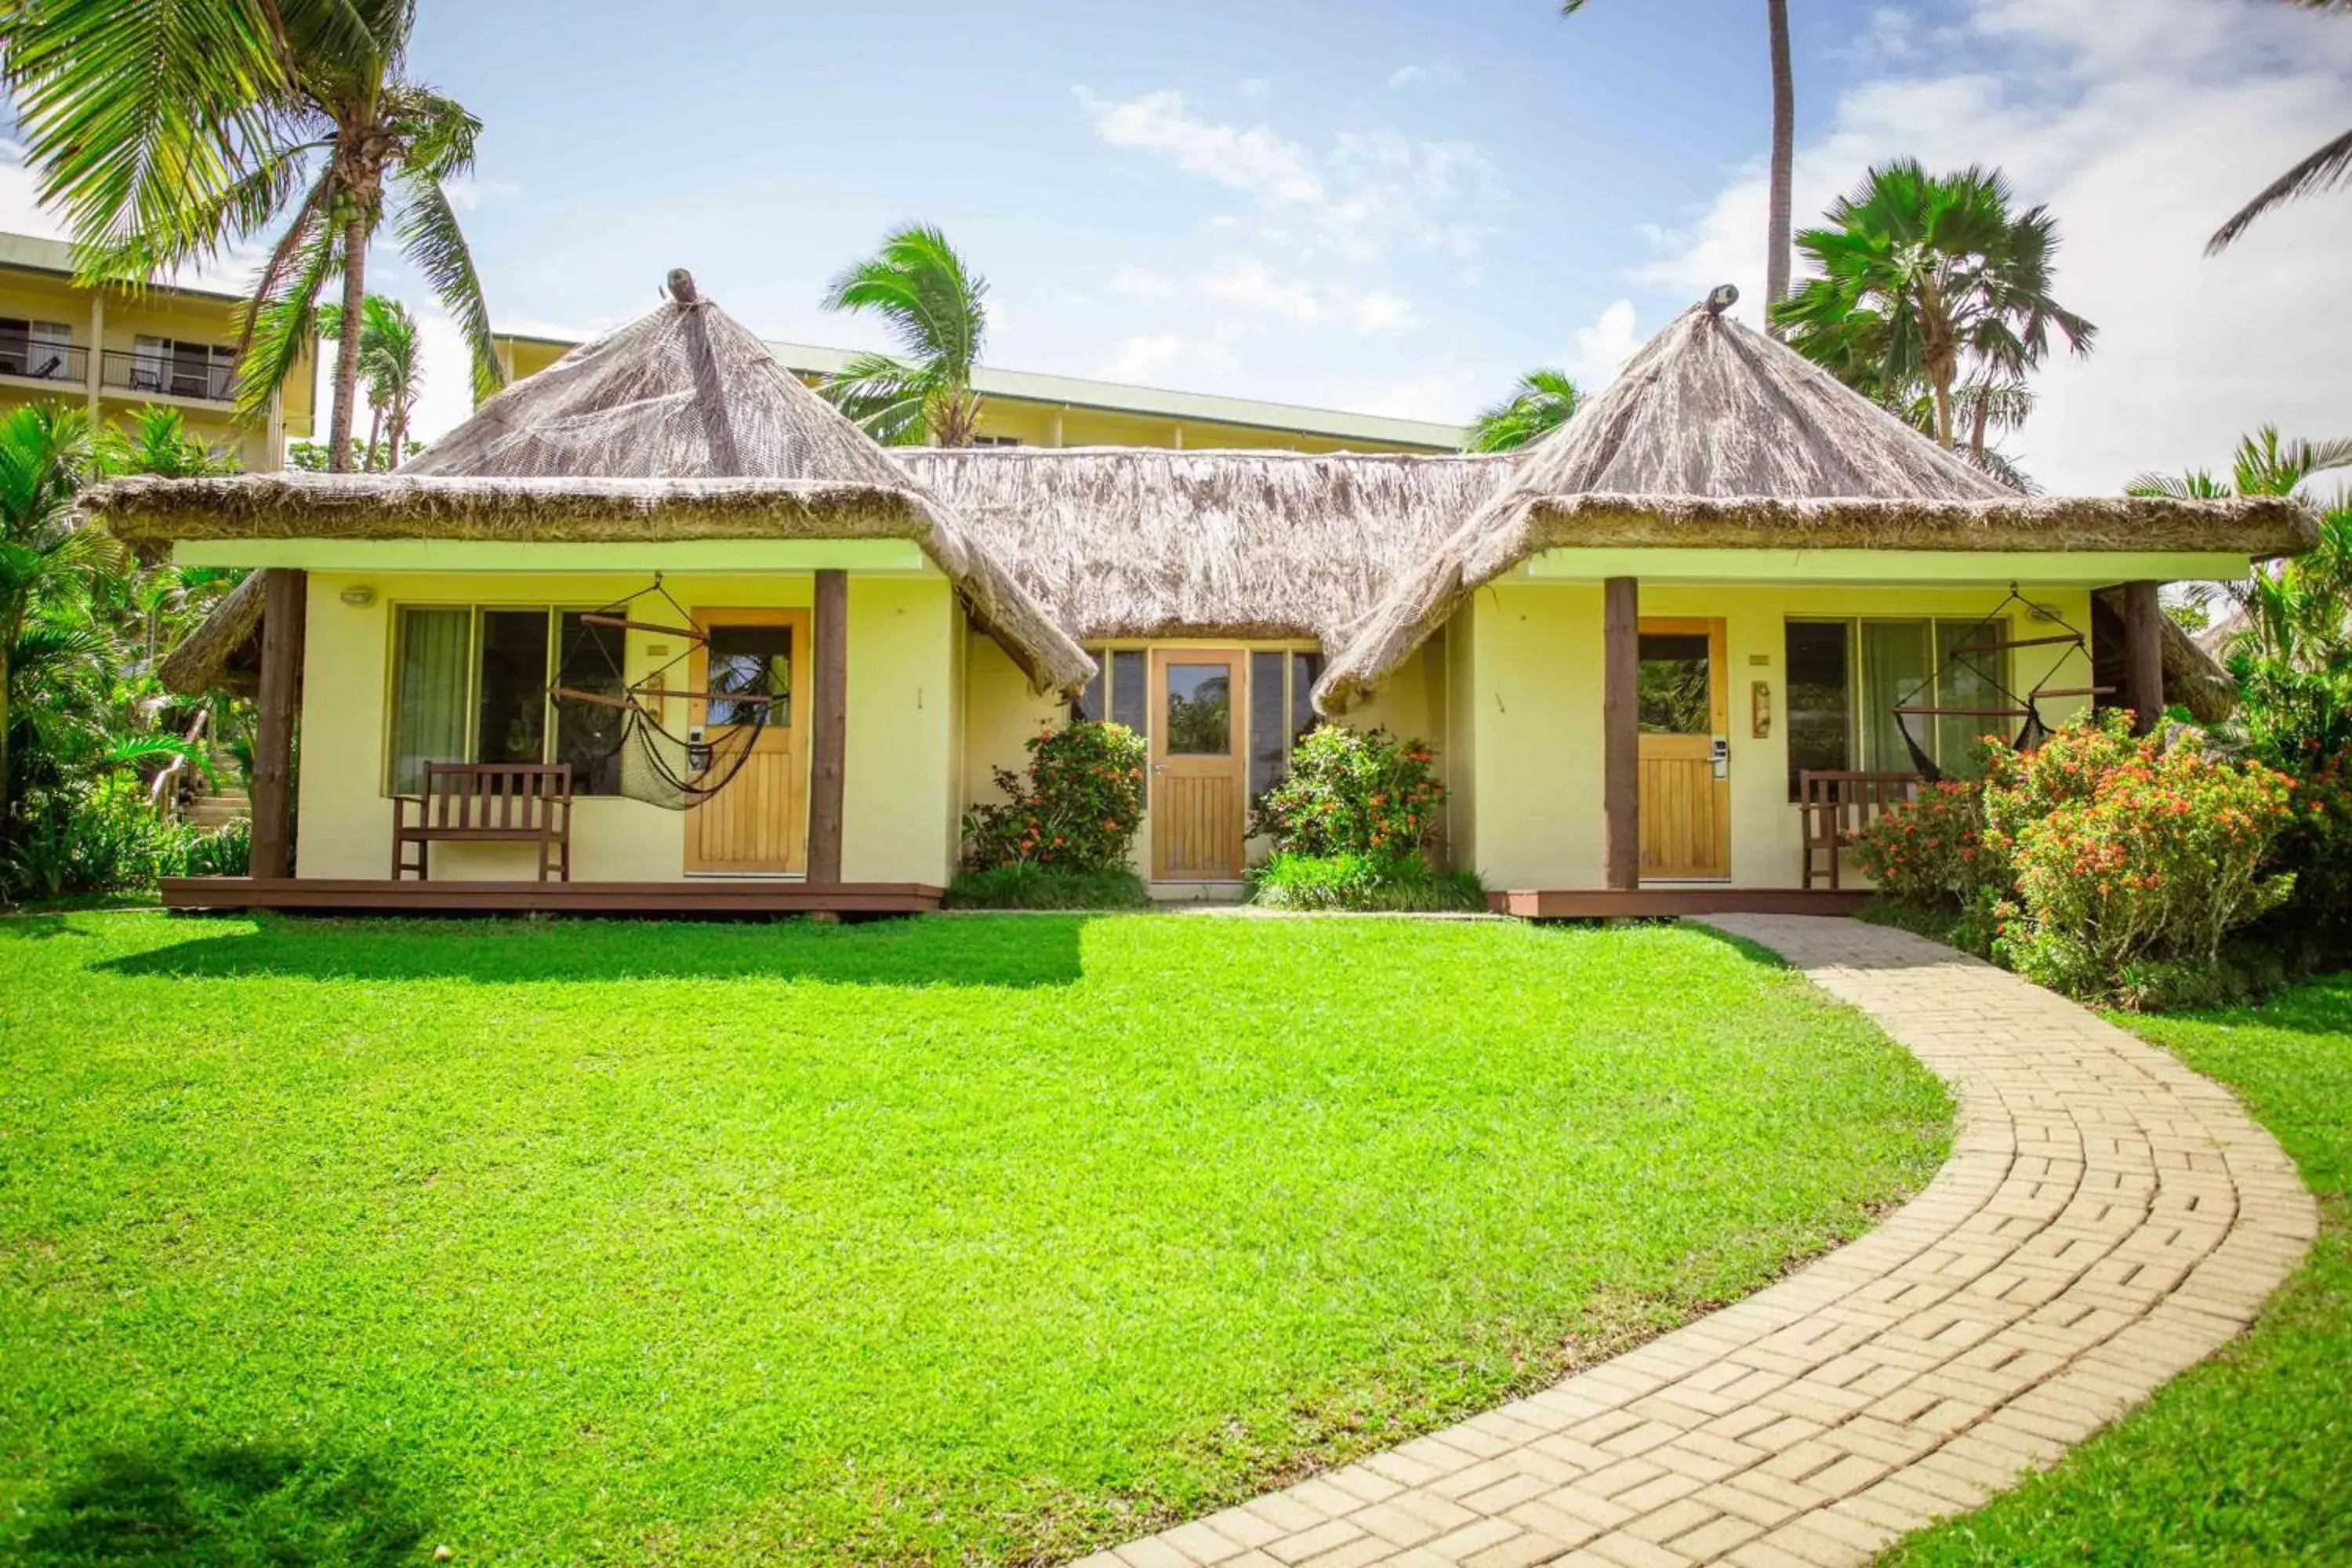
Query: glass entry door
(1198, 797)
(758, 824)
(1685, 802)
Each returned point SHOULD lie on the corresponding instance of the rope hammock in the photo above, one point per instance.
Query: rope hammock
(2027, 708)
(626, 719)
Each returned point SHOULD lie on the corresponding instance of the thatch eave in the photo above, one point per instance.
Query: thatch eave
(201, 661)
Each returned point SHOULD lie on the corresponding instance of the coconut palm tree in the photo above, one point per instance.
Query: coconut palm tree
(1542, 402)
(1784, 151)
(1925, 279)
(167, 133)
(391, 365)
(2324, 170)
(935, 309)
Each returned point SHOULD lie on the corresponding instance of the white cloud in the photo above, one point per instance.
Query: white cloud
(1378, 310)
(1440, 72)
(1142, 283)
(1602, 348)
(1251, 159)
(1251, 285)
(2142, 127)
(1257, 89)
(1144, 358)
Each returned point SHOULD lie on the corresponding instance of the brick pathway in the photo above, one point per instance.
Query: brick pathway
(2108, 1219)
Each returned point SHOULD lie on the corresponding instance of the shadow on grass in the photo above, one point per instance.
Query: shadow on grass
(1038, 951)
(230, 1504)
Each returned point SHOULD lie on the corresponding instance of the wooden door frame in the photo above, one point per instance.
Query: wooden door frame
(1155, 698)
(1713, 629)
(707, 618)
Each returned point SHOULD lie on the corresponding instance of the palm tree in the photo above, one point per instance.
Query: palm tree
(44, 451)
(2324, 170)
(935, 308)
(167, 133)
(390, 362)
(1784, 153)
(1542, 402)
(1924, 278)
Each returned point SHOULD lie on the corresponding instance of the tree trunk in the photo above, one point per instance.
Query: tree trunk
(1943, 385)
(347, 351)
(1981, 413)
(1784, 159)
(376, 432)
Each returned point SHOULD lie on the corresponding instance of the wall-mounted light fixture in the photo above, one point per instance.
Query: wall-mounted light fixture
(1760, 709)
(360, 597)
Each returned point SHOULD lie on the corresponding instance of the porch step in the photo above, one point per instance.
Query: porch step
(1199, 892)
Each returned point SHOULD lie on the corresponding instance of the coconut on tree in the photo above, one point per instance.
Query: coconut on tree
(935, 309)
(166, 134)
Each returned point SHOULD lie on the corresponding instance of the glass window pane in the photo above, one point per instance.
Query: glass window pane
(1131, 690)
(1894, 671)
(1677, 684)
(752, 660)
(1306, 669)
(590, 659)
(1972, 679)
(1199, 710)
(428, 721)
(1269, 722)
(1820, 699)
(511, 722)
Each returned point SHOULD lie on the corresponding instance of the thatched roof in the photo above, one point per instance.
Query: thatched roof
(1718, 437)
(203, 658)
(1126, 543)
(680, 425)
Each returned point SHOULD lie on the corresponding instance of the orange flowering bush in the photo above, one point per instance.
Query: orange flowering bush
(1077, 808)
(1930, 852)
(2128, 855)
(1351, 792)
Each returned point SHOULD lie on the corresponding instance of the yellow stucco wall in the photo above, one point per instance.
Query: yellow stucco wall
(898, 758)
(1529, 707)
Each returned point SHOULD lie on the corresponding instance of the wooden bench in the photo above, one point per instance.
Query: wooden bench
(486, 802)
(1837, 804)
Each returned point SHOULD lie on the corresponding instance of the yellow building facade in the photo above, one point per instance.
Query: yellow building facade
(112, 351)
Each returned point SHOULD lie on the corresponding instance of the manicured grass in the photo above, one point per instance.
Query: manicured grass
(2248, 1458)
(961, 1240)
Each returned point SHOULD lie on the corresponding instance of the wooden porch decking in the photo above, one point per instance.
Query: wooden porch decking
(710, 897)
(1668, 902)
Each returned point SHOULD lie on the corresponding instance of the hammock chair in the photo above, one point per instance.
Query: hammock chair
(627, 721)
(1985, 637)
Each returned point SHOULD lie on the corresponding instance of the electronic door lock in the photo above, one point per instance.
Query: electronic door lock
(1720, 754)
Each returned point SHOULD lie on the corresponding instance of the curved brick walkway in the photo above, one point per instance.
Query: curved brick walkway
(2107, 1218)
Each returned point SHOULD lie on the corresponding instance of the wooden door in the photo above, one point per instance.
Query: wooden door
(1197, 758)
(1686, 805)
(758, 825)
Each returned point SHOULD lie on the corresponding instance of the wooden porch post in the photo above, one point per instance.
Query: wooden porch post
(1620, 743)
(828, 727)
(2143, 655)
(283, 593)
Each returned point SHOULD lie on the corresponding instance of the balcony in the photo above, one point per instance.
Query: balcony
(28, 361)
(213, 381)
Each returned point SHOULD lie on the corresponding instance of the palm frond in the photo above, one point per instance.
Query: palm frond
(935, 306)
(887, 398)
(2324, 170)
(1543, 401)
(436, 246)
(281, 324)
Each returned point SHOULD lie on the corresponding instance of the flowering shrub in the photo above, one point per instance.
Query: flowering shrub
(2124, 854)
(1077, 808)
(1352, 793)
(1930, 852)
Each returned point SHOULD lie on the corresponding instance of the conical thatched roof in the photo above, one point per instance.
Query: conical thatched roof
(1117, 543)
(1718, 437)
(680, 425)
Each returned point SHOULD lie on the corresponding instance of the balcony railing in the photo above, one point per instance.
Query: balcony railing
(213, 382)
(43, 362)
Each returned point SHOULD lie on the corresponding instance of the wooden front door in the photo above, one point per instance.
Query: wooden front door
(1197, 790)
(758, 825)
(1685, 806)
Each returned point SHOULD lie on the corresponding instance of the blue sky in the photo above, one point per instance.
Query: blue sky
(1399, 206)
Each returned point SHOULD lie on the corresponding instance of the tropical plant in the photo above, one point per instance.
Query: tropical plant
(2323, 170)
(1784, 151)
(1076, 808)
(936, 310)
(1927, 281)
(43, 452)
(391, 368)
(1542, 402)
(156, 441)
(166, 132)
(1364, 791)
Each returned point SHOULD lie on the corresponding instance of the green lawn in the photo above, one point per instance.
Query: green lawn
(958, 1240)
(2247, 1459)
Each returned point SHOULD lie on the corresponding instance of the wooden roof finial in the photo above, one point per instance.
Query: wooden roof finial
(681, 286)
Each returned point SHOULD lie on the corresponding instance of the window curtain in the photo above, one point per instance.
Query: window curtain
(429, 701)
(1893, 672)
(1970, 679)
